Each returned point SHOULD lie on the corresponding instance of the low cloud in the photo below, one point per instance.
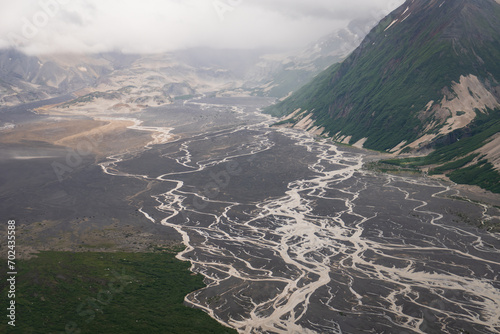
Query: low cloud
(154, 26)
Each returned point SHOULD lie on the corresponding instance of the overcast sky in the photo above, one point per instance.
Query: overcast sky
(152, 26)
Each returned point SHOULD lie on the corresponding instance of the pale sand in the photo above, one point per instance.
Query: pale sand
(492, 151)
(469, 95)
(101, 138)
(480, 99)
(110, 126)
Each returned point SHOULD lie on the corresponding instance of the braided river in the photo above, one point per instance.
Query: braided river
(293, 235)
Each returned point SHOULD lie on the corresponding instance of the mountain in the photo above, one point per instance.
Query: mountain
(121, 79)
(165, 77)
(279, 75)
(154, 80)
(424, 78)
(25, 78)
(131, 82)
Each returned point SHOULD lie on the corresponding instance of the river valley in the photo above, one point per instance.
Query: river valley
(293, 236)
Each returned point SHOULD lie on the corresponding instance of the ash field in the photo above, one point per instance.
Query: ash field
(291, 233)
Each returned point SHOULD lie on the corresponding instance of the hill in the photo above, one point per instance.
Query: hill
(425, 77)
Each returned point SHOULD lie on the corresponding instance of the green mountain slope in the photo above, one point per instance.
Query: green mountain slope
(407, 83)
(426, 77)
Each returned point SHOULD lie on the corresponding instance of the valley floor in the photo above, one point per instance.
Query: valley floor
(289, 232)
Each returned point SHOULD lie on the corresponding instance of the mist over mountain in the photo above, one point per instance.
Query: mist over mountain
(25, 78)
(264, 72)
(152, 26)
(283, 74)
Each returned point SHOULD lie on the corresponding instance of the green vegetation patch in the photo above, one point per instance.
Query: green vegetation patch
(480, 131)
(482, 174)
(111, 95)
(393, 167)
(183, 97)
(62, 292)
(454, 164)
(452, 159)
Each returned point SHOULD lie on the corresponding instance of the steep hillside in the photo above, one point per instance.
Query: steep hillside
(427, 70)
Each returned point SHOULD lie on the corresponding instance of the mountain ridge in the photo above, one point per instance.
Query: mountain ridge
(427, 74)
(400, 71)
(263, 72)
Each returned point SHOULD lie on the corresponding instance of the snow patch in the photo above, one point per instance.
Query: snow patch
(406, 18)
(390, 25)
(398, 19)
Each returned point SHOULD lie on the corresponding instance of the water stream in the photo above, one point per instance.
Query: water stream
(293, 236)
